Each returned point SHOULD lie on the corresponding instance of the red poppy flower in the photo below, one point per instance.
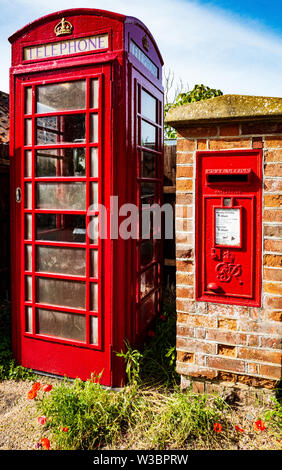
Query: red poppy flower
(162, 317)
(45, 443)
(64, 429)
(217, 427)
(239, 429)
(151, 333)
(36, 386)
(47, 388)
(31, 394)
(259, 425)
(42, 420)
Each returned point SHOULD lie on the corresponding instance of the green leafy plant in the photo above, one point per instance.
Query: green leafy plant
(132, 358)
(199, 92)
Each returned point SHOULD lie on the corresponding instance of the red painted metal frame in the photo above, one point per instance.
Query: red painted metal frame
(252, 191)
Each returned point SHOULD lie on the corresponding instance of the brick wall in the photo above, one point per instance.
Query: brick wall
(217, 342)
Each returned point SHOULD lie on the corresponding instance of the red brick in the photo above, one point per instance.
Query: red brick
(268, 342)
(226, 350)
(183, 225)
(187, 238)
(226, 337)
(184, 171)
(185, 266)
(273, 142)
(274, 215)
(229, 130)
(272, 315)
(185, 145)
(198, 387)
(187, 253)
(260, 355)
(251, 326)
(185, 157)
(194, 370)
(184, 198)
(202, 144)
(253, 340)
(273, 245)
(274, 155)
(183, 356)
(185, 292)
(194, 345)
(257, 143)
(272, 274)
(184, 185)
(200, 333)
(273, 200)
(198, 131)
(185, 305)
(272, 260)
(273, 231)
(272, 288)
(272, 302)
(225, 144)
(273, 169)
(271, 371)
(261, 127)
(273, 185)
(224, 363)
(202, 321)
(227, 324)
(187, 279)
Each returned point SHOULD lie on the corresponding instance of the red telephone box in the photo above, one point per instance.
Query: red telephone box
(228, 221)
(86, 125)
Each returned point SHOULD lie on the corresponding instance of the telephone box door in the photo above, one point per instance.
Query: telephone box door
(63, 142)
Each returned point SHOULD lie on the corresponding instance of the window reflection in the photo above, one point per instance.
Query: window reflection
(148, 135)
(148, 106)
(61, 228)
(60, 162)
(61, 97)
(65, 129)
(69, 196)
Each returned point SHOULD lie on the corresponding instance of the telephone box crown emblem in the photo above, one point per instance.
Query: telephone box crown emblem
(145, 43)
(62, 28)
(228, 257)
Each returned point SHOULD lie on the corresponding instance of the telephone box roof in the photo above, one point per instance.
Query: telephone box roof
(84, 11)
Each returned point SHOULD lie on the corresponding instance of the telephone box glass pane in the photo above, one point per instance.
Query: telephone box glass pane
(61, 228)
(60, 324)
(28, 132)
(60, 162)
(61, 196)
(94, 93)
(148, 193)
(28, 195)
(28, 319)
(227, 227)
(93, 330)
(28, 257)
(94, 263)
(93, 229)
(94, 162)
(28, 288)
(146, 252)
(93, 128)
(28, 164)
(148, 106)
(148, 165)
(28, 226)
(147, 281)
(59, 260)
(61, 97)
(147, 311)
(94, 196)
(28, 101)
(60, 129)
(94, 296)
(148, 135)
(60, 292)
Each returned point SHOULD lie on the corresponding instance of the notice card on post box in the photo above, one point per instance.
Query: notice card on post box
(227, 227)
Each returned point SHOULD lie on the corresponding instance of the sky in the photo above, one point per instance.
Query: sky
(231, 45)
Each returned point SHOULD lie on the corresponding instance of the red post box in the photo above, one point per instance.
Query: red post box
(228, 220)
(86, 126)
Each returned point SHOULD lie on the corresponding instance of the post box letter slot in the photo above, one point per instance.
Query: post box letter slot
(223, 176)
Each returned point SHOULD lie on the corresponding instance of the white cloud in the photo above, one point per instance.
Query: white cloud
(200, 44)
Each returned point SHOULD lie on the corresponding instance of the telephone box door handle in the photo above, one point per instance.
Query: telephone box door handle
(18, 195)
